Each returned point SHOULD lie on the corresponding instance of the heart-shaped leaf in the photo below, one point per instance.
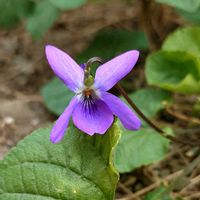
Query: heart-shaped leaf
(139, 148)
(80, 167)
(174, 71)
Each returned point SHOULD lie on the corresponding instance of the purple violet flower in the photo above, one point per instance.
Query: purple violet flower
(92, 108)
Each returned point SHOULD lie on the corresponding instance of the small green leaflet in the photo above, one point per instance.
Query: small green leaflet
(160, 193)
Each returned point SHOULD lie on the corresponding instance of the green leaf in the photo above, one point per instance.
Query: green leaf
(56, 96)
(174, 71)
(151, 100)
(67, 4)
(190, 6)
(159, 193)
(11, 11)
(43, 17)
(193, 17)
(139, 148)
(80, 167)
(184, 39)
(108, 44)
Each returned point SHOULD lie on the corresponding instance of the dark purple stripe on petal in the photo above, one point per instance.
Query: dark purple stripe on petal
(89, 106)
(92, 117)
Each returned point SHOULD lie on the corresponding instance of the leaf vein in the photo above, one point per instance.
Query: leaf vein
(63, 167)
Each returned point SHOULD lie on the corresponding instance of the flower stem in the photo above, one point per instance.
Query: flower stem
(138, 111)
(146, 119)
(125, 95)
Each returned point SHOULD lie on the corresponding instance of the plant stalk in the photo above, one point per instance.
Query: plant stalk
(138, 111)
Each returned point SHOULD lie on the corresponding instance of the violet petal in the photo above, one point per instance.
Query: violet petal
(59, 128)
(83, 65)
(127, 117)
(108, 74)
(65, 67)
(95, 118)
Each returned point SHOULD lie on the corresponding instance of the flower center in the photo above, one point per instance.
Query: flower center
(88, 92)
(88, 99)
